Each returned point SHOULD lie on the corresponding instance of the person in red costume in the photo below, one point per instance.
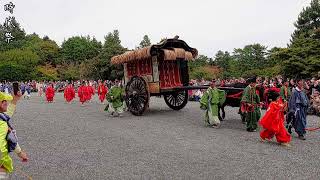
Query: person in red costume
(50, 93)
(102, 91)
(82, 93)
(69, 93)
(273, 123)
(91, 91)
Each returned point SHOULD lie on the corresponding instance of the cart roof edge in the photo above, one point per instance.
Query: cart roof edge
(169, 49)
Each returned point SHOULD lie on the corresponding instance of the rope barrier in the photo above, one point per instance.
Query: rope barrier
(23, 173)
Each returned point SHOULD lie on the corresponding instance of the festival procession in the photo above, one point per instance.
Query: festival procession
(84, 108)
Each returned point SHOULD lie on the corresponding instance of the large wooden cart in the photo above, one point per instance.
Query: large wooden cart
(160, 69)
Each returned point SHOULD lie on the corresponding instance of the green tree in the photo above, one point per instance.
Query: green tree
(47, 49)
(68, 71)
(77, 49)
(303, 54)
(101, 65)
(145, 42)
(14, 72)
(201, 60)
(308, 21)
(17, 64)
(250, 57)
(46, 72)
(25, 58)
(224, 60)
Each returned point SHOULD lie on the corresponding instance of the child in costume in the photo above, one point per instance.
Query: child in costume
(115, 100)
(210, 102)
(273, 123)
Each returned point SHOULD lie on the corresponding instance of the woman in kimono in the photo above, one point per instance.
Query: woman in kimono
(50, 93)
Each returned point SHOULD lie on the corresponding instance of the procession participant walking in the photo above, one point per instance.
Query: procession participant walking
(69, 93)
(250, 105)
(28, 90)
(285, 91)
(8, 140)
(298, 106)
(273, 123)
(23, 89)
(102, 91)
(210, 102)
(82, 93)
(50, 93)
(91, 91)
(40, 88)
(115, 100)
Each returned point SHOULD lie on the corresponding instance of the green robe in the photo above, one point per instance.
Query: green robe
(210, 101)
(115, 99)
(283, 94)
(250, 97)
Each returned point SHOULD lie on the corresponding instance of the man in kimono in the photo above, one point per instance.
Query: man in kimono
(115, 100)
(250, 105)
(210, 102)
(285, 91)
(298, 106)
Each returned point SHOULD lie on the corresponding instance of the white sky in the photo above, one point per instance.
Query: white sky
(208, 25)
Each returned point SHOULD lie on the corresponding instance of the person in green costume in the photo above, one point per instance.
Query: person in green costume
(115, 99)
(210, 102)
(250, 103)
(285, 91)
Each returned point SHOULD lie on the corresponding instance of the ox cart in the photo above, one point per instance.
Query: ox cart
(160, 69)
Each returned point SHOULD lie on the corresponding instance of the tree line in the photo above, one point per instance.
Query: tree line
(301, 57)
(30, 56)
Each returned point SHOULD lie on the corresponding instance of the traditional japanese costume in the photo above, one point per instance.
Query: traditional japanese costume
(298, 106)
(210, 102)
(273, 122)
(69, 93)
(250, 103)
(50, 94)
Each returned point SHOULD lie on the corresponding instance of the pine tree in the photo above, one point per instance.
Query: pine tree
(303, 54)
(308, 23)
(145, 42)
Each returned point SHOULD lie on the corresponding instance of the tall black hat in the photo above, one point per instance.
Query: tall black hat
(252, 79)
(298, 78)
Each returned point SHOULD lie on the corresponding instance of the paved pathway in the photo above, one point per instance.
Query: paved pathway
(67, 141)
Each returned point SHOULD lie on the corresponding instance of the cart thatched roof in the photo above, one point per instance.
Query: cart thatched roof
(169, 49)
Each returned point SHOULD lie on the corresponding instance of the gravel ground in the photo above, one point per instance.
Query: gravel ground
(67, 141)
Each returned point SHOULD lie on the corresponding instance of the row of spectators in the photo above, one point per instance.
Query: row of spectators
(41, 86)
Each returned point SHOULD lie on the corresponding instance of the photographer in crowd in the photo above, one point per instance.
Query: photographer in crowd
(8, 139)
